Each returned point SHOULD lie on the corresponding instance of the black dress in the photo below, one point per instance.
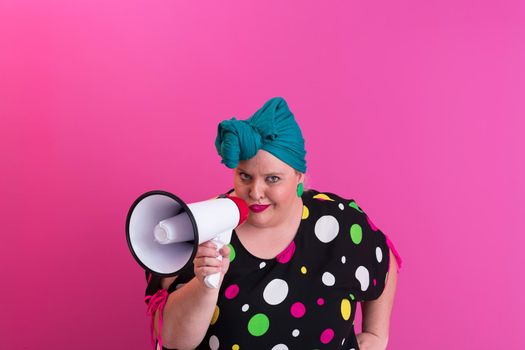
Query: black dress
(304, 298)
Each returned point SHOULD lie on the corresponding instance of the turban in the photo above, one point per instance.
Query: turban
(272, 128)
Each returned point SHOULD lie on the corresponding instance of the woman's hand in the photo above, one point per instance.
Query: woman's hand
(369, 341)
(206, 262)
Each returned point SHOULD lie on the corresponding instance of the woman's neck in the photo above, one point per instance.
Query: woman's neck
(267, 242)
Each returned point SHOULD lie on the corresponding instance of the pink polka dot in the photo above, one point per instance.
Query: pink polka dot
(298, 310)
(320, 301)
(232, 291)
(375, 281)
(327, 336)
(287, 254)
(372, 226)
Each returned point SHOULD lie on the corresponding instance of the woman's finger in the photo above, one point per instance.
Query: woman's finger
(225, 251)
(208, 244)
(206, 271)
(206, 261)
(206, 251)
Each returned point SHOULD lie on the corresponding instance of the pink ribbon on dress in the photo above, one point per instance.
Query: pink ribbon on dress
(396, 255)
(394, 251)
(156, 302)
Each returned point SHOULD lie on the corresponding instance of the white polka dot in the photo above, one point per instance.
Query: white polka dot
(379, 254)
(326, 228)
(280, 347)
(214, 342)
(341, 206)
(328, 279)
(262, 265)
(275, 291)
(343, 259)
(245, 307)
(343, 342)
(363, 277)
(296, 333)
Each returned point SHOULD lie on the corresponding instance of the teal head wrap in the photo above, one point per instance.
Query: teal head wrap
(272, 128)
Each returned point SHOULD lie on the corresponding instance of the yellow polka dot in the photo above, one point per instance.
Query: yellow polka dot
(235, 347)
(303, 270)
(306, 212)
(346, 309)
(215, 315)
(323, 197)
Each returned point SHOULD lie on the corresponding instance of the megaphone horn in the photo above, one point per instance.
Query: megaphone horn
(163, 232)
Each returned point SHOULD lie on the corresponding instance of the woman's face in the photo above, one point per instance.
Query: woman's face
(269, 187)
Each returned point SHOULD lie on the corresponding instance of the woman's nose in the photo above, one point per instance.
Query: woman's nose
(256, 191)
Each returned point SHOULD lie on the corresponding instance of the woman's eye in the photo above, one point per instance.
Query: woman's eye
(244, 176)
(272, 179)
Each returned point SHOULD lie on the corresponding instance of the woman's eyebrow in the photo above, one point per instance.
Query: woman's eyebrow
(241, 170)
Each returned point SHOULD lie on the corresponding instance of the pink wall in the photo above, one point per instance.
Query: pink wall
(414, 108)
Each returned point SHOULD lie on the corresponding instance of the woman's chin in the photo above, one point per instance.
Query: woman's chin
(258, 219)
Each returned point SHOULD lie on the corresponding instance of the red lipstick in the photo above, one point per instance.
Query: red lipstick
(257, 208)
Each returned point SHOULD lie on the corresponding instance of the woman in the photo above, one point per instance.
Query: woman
(294, 271)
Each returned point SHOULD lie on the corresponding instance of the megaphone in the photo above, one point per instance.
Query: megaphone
(163, 232)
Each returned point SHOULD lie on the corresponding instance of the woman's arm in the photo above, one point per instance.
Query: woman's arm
(376, 314)
(189, 309)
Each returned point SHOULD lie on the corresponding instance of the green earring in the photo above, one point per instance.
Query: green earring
(300, 189)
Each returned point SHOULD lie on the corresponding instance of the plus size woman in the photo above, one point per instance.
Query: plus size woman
(294, 271)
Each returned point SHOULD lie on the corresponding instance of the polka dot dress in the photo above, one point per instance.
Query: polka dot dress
(304, 298)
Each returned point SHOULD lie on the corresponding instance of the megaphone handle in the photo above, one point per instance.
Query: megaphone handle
(212, 281)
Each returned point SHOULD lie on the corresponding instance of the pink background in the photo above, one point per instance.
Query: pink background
(413, 108)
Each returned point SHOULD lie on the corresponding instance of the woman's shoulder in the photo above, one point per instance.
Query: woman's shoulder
(322, 203)
(327, 198)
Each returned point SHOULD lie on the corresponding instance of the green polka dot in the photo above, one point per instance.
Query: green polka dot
(232, 252)
(258, 325)
(355, 206)
(356, 233)
(352, 297)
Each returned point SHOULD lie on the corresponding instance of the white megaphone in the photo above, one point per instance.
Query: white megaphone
(163, 232)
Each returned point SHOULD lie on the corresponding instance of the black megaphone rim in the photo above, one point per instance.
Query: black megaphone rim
(193, 223)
